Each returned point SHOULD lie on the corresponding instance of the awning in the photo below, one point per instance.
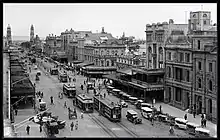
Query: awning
(94, 72)
(85, 64)
(137, 85)
(127, 71)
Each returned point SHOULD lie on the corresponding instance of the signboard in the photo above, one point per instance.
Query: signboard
(114, 116)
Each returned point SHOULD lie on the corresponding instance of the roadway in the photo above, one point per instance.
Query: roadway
(94, 125)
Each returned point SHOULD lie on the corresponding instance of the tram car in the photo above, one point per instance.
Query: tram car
(107, 108)
(62, 77)
(85, 103)
(54, 71)
(69, 90)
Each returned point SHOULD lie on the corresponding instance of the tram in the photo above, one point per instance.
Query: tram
(54, 71)
(107, 108)
(69, 90)
(85, 103)
(62, 77)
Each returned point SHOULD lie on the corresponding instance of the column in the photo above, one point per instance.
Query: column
(203, 104)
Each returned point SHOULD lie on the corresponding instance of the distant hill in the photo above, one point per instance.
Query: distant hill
(22, 38)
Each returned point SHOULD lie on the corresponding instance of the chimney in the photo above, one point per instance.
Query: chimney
(49, 35)
(103, 30)
(52, 34)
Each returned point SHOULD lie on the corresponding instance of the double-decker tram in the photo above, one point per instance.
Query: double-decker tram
(107, 108)
(69, 90)
(85, 103)
(54, 71)
(62, 77)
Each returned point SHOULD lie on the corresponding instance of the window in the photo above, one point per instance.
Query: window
(210, 85)
(55, 43)
(96, 52)
(148, 37)
(107, 52)
(112, 63)
(205, 15)
(102, 52)
(113, 52)
(169, 55)
(194, 15)
(187, 57)
(168, 72)
(178, 94)
(155, 48)
(199, 83)
(204, 22)
(200, 65)
(181, 57)
(198, 44)
(187, 75)
(116, 52)
(210, 67)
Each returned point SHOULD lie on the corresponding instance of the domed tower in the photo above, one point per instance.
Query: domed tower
(32, 34)
(8, 38)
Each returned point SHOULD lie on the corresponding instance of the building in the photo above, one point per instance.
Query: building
(32, 34)
(130, 60)
(178, 64)
(8, 36)
(156, 36)
(53, 48)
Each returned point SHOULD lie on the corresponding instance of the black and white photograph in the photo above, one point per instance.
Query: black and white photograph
(110, 70)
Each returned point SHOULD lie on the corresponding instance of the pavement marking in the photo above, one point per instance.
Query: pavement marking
(116, 129)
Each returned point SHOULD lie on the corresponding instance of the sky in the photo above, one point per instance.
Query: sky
(49, 18)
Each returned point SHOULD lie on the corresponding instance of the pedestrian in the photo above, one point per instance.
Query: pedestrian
(202, 122)
(65, 105)
(71, 126)
(81, 87)
(51, 100)
(160, 109)
(16, 111)
(40, 128)
(28, 129)
(76, 126)
(104, 95)
(185, 116)
(194, 113)
(73, 102)
(202, 116)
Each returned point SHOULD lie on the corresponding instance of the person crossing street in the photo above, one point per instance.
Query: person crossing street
(71, 126)
(28, 129)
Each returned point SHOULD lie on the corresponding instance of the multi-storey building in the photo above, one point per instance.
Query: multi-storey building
(156, 36)
(178, 64)
(130, 60)
(53, 45)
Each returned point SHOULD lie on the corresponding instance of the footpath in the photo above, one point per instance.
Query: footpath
(166, 108)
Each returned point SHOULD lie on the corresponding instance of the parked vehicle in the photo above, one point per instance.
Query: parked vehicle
(180, 123)
(162, 118)
(146, 105)
(132, 117)
(190, 128)
(132, 100)
(202, 132)
(42, 106)
(138, 104)
(146, 112)
(124, 104)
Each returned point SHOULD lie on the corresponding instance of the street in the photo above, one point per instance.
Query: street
(50, 86)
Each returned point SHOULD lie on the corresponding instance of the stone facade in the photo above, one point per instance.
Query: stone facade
(53, 43)
(205, 75)
(156, 36)
(178, 78)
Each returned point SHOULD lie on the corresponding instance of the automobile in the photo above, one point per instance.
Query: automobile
(35, 67)
(180, 123)
(132, 116)
(123, 104)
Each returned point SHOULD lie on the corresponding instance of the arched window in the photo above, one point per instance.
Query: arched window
(102, 52)
(107, 63)
(116, 52)
(160, 54)
(107, 52)
(205, 15)
(199, 83)
(112, 63)
(149, 57)
(210, 85)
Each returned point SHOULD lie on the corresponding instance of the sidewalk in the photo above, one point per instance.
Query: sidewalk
(23, 114)
(180, 114)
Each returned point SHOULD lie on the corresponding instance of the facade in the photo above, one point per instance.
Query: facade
(53, 44)
(8, 37)
(178, 64)
(130, 60)
(32, 34)
(205, 75)
(156, 36)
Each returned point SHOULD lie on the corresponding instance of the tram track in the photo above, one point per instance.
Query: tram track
(102, 125)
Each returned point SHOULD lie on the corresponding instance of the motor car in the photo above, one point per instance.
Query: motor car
(132, 116)
(123, 104)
